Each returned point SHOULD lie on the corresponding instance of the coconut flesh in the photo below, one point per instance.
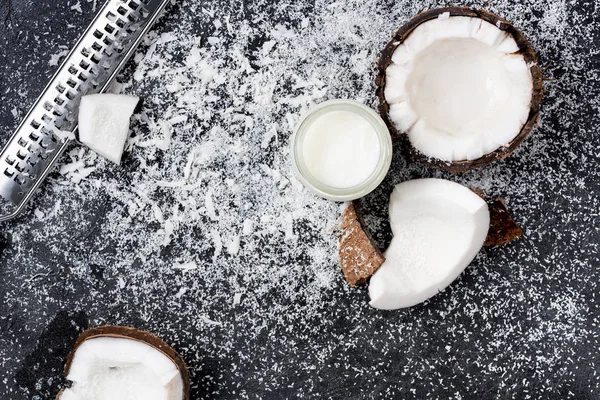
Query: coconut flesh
(109, 368)
(439, 227)
(459, 88)
(104, 123)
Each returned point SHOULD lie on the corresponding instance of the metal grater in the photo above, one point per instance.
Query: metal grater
(90, 67)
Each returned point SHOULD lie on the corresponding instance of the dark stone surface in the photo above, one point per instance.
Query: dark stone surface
(522, 322)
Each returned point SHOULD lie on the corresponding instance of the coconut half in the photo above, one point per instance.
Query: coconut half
(116, 362)
(464, 85)
(439, 227)
(104, 123)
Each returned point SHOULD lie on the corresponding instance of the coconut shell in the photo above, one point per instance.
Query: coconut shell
(125, 332)
(524, 48)
(359, 255)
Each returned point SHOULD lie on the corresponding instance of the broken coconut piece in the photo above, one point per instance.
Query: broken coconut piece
(359, 267)
(116, 362)
(503, 229)
(464, 85)
(439, 227)
(104, 123)
(359, 255)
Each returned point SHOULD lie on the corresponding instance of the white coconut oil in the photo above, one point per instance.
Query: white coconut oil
(341, 150)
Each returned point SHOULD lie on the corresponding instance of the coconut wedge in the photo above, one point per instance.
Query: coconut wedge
(116, 362)
(104, 123)
(439, 227)
(463, 85)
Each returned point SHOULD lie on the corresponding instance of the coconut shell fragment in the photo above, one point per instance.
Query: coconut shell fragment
(525, 50)
(359, 255)
(503, 229)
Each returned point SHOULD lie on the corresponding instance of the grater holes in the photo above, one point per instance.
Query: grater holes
(19, 167)
(144, 13)
(21, 154)
(94, 83)
(83, 77)
(109, 29)
(96, 47)
(71, 82)
(85, 52)
(133, 18)
(9, 160)
(22, 142)
(122, 10)
(107, 41)
(60, 87)
(84, 65)
(33, 136)
(70, 95)
(120, 23)
(59, 101)
(73, 70)
(48, 106)
(9, 173)
(46, 118)
(95, 59)
(35, 124)
(98, 34)
(111, 16)
(20, 180)
(133, 5)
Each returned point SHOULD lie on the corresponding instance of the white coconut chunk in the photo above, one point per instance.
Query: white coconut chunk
(487, 33)
(108, 368)
(508, 45)
(439, 227)
(401, 56)
(460, 87)
(403, 113)
(104, 123)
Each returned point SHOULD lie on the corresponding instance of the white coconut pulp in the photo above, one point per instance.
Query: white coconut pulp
(439, 227)
(458, 88)
(104, 123)
(108, 368)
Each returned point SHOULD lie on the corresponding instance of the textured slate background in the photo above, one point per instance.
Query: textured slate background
(523, 323)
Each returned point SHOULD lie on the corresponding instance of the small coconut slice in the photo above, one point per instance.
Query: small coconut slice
(464, 85)
(104, 123)
(439, 227)
(116, 362)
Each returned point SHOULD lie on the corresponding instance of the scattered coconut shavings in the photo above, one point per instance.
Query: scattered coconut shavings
(521, 322)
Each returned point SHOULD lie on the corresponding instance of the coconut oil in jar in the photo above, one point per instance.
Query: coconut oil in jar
(341, 150)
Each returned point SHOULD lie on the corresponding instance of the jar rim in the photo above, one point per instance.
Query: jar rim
(353, 192)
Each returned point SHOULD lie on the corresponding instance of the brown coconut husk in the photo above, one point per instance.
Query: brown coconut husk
(525, 49)
(359, 255)
(125, 332)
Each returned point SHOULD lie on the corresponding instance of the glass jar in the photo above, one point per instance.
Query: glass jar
(346, 193)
